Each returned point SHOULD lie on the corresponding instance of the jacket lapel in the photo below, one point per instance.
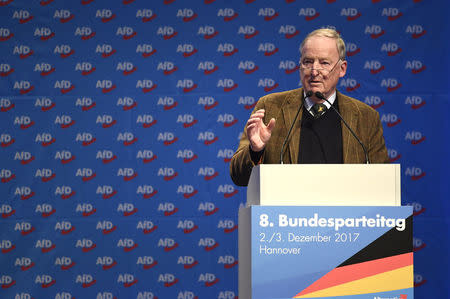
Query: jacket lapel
(290, 108)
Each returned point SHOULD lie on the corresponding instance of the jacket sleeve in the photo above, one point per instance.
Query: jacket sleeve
(377, 147)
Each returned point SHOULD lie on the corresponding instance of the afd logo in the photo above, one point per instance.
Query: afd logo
(106, 227)
(268, 84)
(64, 86)
(146, 15)
(127, 173)
(289, 31)
(188, 226)
(5, 34)
(25, 228)
(228, 14)
(45, 174)
(63, 15)
(167, 67)
(126, 32)
(187, 261)
(187, 155)
(414, 137)
(225, 154)
(167, 32)
(145, 50)
(268, 13)
(208, 67)
(86, 280)
(64, 51)
(227, 225)
(86, 209)
(24, 157)
(147, 156)
(208, 173)
(64, 227)
(64, 262)
(186, 14)
(167, 138)
(7, 246)
(416, 31)
(418, 244)
(374, 66)
(105, 85)
(208, 208)
(85, 138)
(127, 280)
(44, 33)
(25, 263)
(6, 211)
(167, 208)
(374, 101)
(147, 262)
(147, 191)
(24, 192)
(230, 294)
(126, 67)
(208, 244)
(187, 50)
(187, 85)
(375, 31)
(208, 279)
(6, 140)
(126, 209)
(127, 138)
(419, 280)
(207, 102)
(168, 279)
(349, 84)
(227, 84)
(392, 13)
(45, 281)
(43, 68)
(394, 155)
(288, 66)
(268, 49)
(167, 244)
(248, 31)
(418, 208)
(23, 16)
(6, 105)
(23, 86)
(5, 69)
(23, 51)
(308, 13)
(86, 245)
(186, 295)
(105, 15)
(168, 103)
(188, 191)
(391, 84)
(127, 244)
(44, 103)
(126, 103)
(227, 190)
(391, 49)
(187, 120)
(106, 262)
(6, 175)
(21, 295)
(352, 49)
(248, 67)
(390, 119)
(105, 50)
(227, 49)
(208, 32)
(351, 13)
(228, 261)
(65, 192)
(86, 174)
(415, 66)
(416, 173)
(86, 68)
(85, 33)
(106, 191)
(146, 226)
(45, 245)
(149, 295)
(228, 120)
(86, 103)
(248, 102)
(105, 120)
(46, 210)
(167, 173)
(415, 102)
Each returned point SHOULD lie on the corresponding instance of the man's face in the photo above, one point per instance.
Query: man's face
(321, 53)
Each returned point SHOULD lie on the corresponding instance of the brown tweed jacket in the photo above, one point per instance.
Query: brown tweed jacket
(283, 106)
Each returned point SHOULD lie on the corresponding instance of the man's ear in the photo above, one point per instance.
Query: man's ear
(343, 69)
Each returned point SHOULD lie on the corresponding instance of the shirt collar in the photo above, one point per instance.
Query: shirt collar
(309, 103)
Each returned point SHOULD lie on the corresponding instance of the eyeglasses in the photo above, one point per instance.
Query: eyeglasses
(307, 67)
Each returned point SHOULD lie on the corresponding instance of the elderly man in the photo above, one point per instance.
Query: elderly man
(318, 134)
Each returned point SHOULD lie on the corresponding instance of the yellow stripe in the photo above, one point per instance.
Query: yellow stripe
(398, 279)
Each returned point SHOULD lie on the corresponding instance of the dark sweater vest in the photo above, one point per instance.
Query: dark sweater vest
(321, 139)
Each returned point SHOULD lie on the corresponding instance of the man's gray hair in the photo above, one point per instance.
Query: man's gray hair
(331, 33)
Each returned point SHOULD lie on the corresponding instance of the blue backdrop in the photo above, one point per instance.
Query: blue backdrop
(118, 120)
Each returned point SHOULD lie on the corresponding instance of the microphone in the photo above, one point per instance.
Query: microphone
(308, 94)
(322, 97)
